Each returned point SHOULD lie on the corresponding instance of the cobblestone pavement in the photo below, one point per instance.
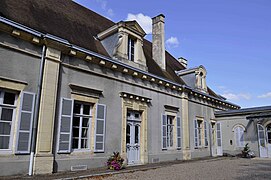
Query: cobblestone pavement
(217, 169)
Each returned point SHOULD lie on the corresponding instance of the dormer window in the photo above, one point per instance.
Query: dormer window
(124, 42)
(201, 83)
(131, 49)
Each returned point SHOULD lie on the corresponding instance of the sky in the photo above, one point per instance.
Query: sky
(230, 38)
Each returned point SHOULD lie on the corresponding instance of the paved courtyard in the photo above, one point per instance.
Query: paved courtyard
(227, 168)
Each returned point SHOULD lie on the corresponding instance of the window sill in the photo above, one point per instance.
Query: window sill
(81, 152)
(4, 152)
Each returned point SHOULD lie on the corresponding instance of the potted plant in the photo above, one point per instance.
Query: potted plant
(115, 162)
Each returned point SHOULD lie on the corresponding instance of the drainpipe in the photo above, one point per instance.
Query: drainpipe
(36, 113)
(210, 138)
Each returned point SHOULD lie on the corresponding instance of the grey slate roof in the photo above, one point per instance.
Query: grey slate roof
(244, 111)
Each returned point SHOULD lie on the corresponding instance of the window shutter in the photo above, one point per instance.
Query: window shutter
(25, 122)
(206, 133)
(179, 139)
(196, 133)
(100, 128)
(65, 125)
(164, 131)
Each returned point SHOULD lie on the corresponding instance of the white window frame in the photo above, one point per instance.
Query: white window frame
(81, 116)
(14, 107)
(239, 132)
(131, 56)
(201, 128)
(170, 135)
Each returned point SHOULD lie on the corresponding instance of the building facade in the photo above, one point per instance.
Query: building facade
(76, 87)
(246, 126)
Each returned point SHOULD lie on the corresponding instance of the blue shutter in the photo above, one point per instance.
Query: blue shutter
(65, 126)
(100, 128)
(25, 123)
(164, 131)
(205, 133)
(196, 133)
(179, 136)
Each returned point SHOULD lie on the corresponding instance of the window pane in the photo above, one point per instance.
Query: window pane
(76, 108)
(75, 132)
(86, 109)
(84, 133)
(127, 134)
(84, 143)
(171, 136)
(269, 137)
(6, 114)
(85, 122)
(5, 128)
(136, 134)
(261, 134)
(76, 121)
(9, 98)
(4, 142)
(75, 143)
(164, 143)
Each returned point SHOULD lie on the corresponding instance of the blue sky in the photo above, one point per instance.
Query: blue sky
(231, 38)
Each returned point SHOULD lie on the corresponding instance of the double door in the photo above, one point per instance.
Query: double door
(133, 137)
(264, 140)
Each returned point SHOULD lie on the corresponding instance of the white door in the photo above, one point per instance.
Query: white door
(213, 138)
(262, 141)
(219, 150)
(133, 137)
(268, 135)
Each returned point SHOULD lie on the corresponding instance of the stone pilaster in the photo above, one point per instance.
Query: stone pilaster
(186, 127)
(43, 161)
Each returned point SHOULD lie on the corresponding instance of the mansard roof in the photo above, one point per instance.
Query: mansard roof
(78, 25)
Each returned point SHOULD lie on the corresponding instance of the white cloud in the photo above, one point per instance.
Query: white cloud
(104, 7)
(172, 42)
(237, 97)
(267, 95)
(144, 21)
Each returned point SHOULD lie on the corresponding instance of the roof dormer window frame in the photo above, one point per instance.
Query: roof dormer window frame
(131, 48)
(201, 79)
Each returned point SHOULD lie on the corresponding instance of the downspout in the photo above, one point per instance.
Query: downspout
(36, 113)
(210, 138)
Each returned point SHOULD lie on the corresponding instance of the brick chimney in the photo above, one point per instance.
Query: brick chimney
(158, 40)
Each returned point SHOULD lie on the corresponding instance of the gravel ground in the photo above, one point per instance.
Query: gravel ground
(229, 168)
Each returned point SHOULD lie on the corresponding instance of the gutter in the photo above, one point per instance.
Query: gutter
(36, 113)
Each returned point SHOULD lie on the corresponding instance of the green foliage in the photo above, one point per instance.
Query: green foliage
(245, 151)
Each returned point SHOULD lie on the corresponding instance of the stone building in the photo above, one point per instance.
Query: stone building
(75, 87)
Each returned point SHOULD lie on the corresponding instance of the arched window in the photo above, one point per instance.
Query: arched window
(239, 136)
